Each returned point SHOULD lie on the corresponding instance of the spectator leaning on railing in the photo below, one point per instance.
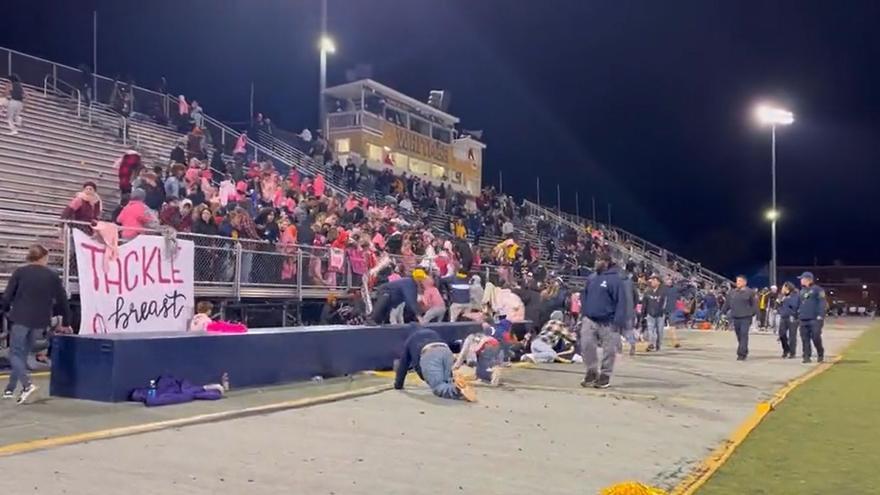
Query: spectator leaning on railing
(85, 206)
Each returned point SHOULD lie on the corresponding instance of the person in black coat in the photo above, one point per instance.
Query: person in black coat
(33, 294)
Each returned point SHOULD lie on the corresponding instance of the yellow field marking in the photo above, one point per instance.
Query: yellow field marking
(698, 477)
(47, 443)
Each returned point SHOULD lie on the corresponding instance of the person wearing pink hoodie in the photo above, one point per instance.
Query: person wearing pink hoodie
(135, 216)
(432, 302)
(319, 186)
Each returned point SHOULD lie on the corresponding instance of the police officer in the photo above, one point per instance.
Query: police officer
(604, 306)
(811, 314)
(789, 300)
(742, 303)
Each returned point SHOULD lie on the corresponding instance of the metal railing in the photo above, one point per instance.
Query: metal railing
(36, 71)
(614, 238)
(52, 82)
(222, 267)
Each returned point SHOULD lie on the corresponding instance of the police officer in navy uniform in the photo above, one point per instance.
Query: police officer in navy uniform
(811, 314)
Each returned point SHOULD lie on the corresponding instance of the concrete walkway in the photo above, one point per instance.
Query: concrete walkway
(540, 432)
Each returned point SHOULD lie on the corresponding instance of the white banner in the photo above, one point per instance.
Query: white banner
(140, 290)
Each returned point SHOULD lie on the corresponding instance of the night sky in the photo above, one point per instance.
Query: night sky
(643, 104)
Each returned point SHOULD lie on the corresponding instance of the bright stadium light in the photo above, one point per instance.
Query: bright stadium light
(768, 115)
(771, 116)
(327, 45)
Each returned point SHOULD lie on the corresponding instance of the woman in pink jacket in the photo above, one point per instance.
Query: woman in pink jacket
(319, 186)
(135, 216)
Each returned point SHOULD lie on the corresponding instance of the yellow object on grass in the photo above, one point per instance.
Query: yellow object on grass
(631, 488)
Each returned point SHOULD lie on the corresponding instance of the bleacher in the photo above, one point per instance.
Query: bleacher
(68, 142)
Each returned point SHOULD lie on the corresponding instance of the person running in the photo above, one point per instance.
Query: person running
(605, 313)
(425, 352)
(34, 293)
(742, 302)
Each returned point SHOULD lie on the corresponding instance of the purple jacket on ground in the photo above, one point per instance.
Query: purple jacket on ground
(170, 390)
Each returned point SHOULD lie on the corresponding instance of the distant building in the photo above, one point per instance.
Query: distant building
(391, 129)
(850, 286)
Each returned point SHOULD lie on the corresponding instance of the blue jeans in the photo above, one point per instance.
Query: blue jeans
(436, 364)
(655, 330)
(542, 352)
(21, 339)
(487, 359)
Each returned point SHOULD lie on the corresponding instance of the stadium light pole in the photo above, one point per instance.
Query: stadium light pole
(327, 47)
(772, 116)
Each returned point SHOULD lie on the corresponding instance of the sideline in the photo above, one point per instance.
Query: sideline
(51, 442)
(701, 474)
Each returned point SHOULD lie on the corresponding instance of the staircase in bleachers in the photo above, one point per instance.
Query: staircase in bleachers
(64, 144)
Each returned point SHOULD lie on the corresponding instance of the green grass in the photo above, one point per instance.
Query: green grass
(824, 438)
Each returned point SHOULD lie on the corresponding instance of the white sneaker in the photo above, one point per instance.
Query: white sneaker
(527, 358)
(27, 393)
(8, 394)
(577, 359)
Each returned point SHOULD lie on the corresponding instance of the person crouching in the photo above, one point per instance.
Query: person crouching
(483, 352)
(426, 353)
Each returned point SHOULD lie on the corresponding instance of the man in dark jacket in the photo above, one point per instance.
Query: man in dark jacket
(33, 294)
(425, 352)
(743, 305)
(603, 304)
(811, 313)
(653, 309)
(402, 291)
(457, 288)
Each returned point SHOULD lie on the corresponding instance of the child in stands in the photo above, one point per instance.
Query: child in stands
(202, 317)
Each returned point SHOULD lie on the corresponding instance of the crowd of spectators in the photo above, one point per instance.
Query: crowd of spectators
(377, 232)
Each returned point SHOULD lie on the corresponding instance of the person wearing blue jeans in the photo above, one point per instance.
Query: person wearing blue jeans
(653, 307)
(430, 357)
(655, 332)
(33, 294)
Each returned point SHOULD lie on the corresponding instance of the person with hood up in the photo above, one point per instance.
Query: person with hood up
(604, 308)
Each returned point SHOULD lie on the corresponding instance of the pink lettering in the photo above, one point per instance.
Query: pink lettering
(162, 279)
(145, 268)
(115, 282)
(93, 252)
(175, 273)
(134, 278)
